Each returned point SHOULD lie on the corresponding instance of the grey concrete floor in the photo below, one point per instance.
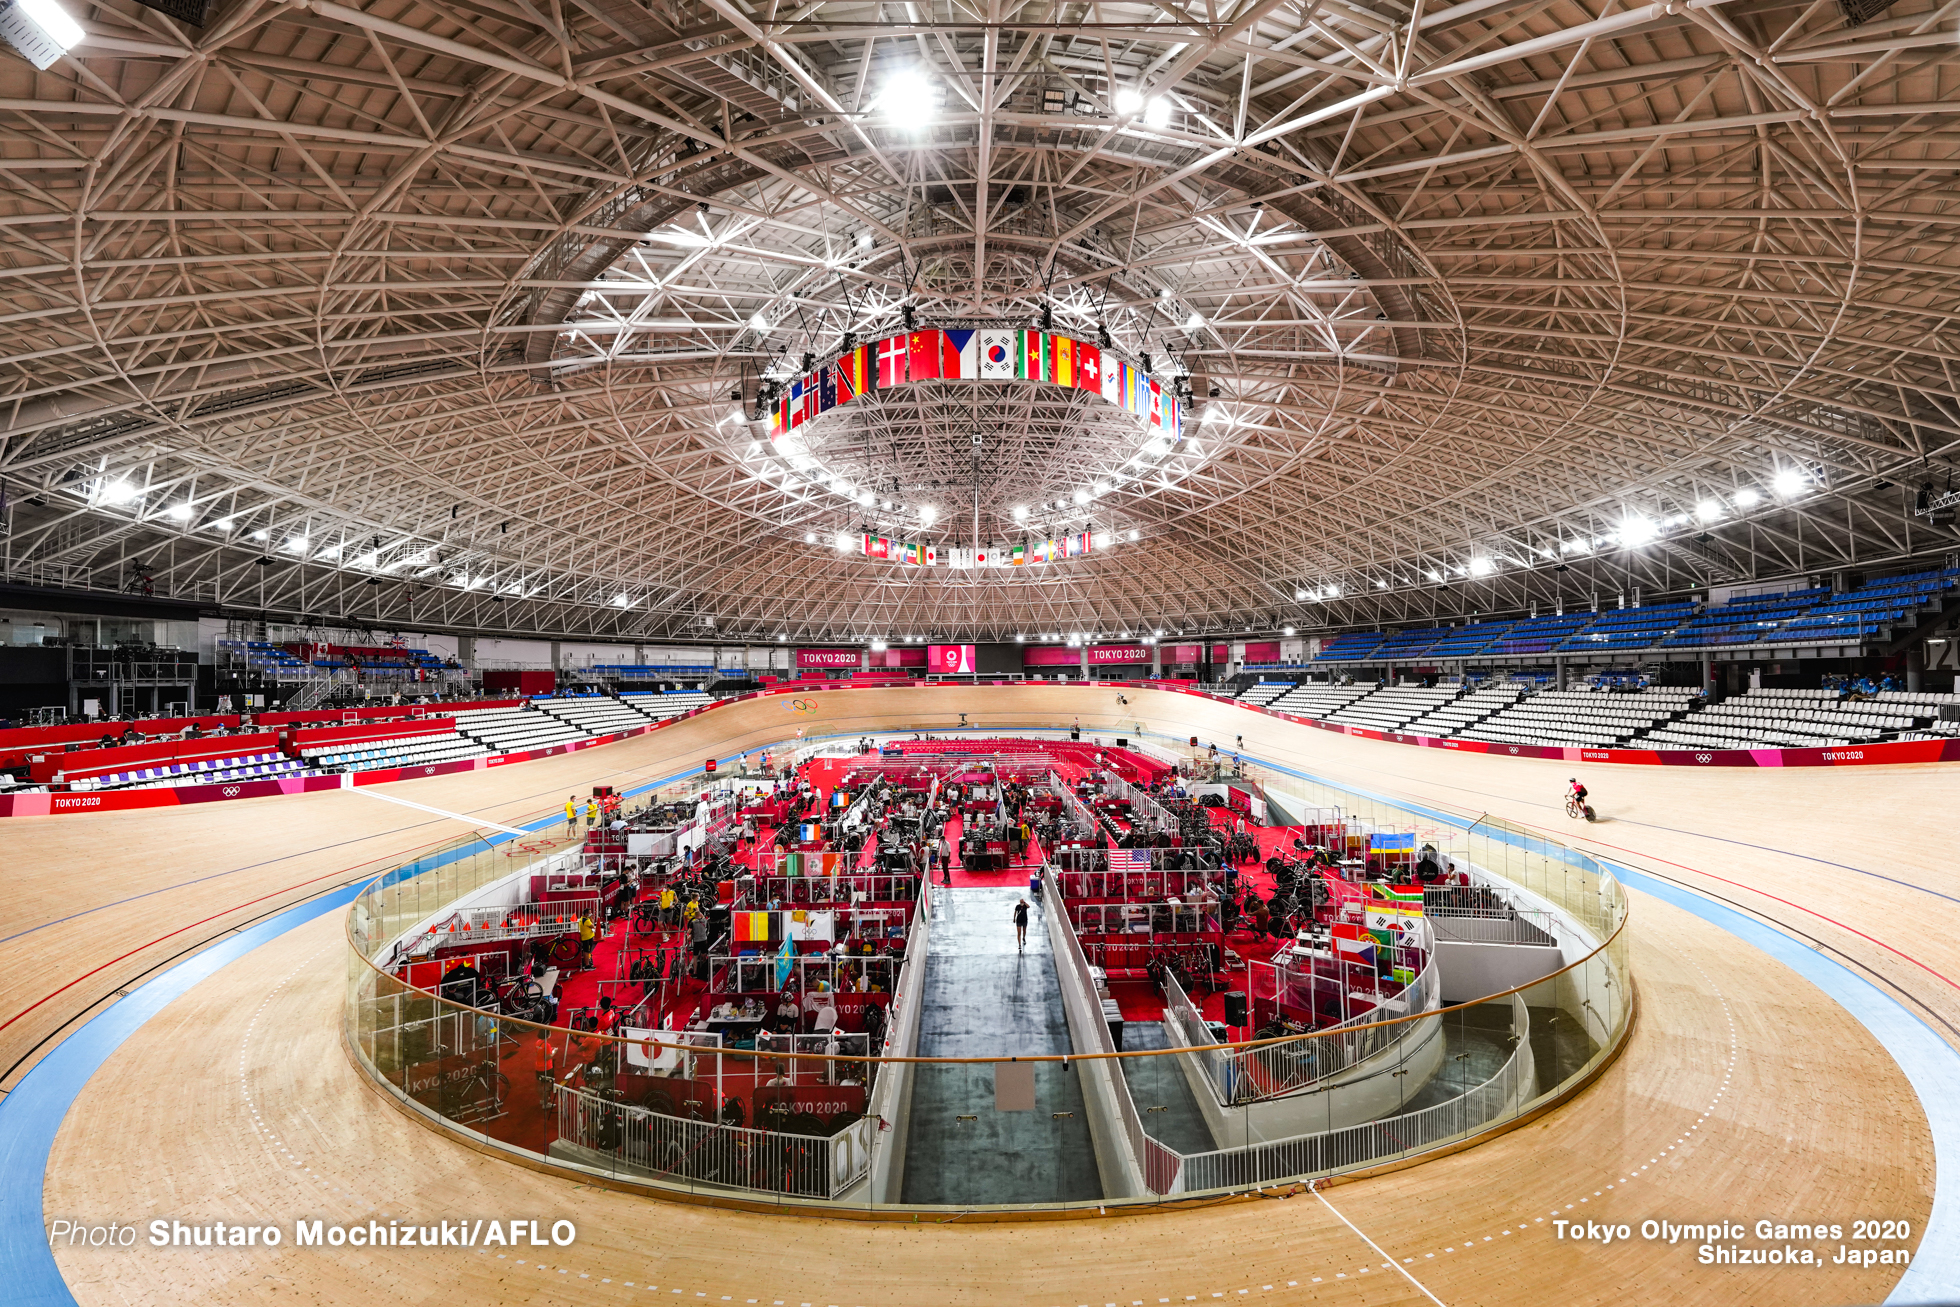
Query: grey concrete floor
(984, 999)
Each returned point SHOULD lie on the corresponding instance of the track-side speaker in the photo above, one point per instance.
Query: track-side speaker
(1234, 1007)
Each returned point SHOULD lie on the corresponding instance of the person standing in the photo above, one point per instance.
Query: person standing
(571, 814)
(591, 814)
(588, 938)
(1021, 926)
(945, 858)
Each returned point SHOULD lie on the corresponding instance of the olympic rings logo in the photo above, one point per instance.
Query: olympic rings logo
(803, 705)
(231, 791)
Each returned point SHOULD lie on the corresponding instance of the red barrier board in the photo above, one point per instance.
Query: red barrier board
(393, 712)
(133, 757)
(397, 730)
(17, 742)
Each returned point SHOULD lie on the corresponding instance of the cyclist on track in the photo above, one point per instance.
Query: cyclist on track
(1576, 793)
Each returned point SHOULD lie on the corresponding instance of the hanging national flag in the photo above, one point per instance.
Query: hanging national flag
(997, 355)
(1088, 366)
(1112, 380)
(854, 374)
(1406, 897)
(1020, 556)
(779, 418)
(1031, 356)
(923, 350)
(827, 389)
(892, 369)
(913, 555)
(1063, 366)
(932, 556)
(959, 357)
(795, 404)
(1156, 405)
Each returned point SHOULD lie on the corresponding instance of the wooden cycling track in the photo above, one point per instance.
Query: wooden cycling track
(1745, 1092)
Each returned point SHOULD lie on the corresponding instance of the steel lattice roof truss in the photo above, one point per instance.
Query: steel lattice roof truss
(454, 311)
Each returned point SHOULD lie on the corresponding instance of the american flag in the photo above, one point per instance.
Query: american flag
(1129, 859)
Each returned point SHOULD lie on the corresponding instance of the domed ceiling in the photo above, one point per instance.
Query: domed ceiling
(458, 313)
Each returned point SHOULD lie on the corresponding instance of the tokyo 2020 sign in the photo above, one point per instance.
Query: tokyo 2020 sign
(950, 659)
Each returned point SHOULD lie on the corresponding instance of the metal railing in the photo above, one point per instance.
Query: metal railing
(1156, 1165)
(732, 1156)
(1374, 1142)
(1274, 1070)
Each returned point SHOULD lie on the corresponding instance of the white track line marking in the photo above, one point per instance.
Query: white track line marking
(1386, 1259)
(453, 816)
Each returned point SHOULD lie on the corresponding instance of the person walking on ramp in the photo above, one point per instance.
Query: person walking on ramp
(1021, 926)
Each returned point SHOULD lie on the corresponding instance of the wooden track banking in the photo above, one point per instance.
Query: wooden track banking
(1745, 1091)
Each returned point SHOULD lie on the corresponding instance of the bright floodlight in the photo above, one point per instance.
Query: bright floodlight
(622, 601)
(1133, 534)
(1333, 592)
(1157, 112)
(1081, 496)
(40, 29)
(877, 646)
(1708, 509)
(1638, 531)
(908, 92)
(1300, 595)
(809, 537)
(1286, 630)
(864, 240)
(119, 492)
(1128, 100)
(1195, 322)
(1747, 498)
(1788, 482)
(1102, 488)
(258, 535)
(865, 496)
(1480, 567)
(1381, 585)
(758, 323)
(843, 540)
(928, 514)
(1020, 513)
(179, 512)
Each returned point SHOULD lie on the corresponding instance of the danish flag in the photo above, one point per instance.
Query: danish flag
(893, 366)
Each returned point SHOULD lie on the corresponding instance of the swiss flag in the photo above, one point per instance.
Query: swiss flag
(892, 368)
(924, 351)
(1088, 366)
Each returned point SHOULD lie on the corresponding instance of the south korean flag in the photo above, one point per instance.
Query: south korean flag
(997, 355)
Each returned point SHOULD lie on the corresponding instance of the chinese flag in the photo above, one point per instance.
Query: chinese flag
(892, 367)
(924, 353)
